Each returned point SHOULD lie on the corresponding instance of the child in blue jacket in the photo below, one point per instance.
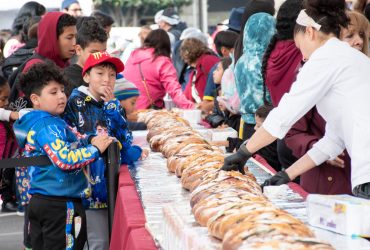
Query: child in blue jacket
(56, 215)
(85, 108)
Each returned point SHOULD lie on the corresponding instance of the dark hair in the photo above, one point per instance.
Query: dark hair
(330, 14)
(18, 24)
(2, 45)
(191, 49)
(101, 123)
(285, 23)
(252, 7)
(160, 41)
(225, 39)
(80, 21)
(38, 76)
(264, 110)
(3, 81)
(65, 20)
(104, 19)
(225, 62)
(104, 65)
(28, 10)
(29, 28)
(32, 8)
(90, 32)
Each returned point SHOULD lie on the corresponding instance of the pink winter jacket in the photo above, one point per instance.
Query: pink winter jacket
(160, 76)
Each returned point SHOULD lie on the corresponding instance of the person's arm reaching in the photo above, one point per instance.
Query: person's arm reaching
(259, 139)
(304, 164)
(328, 147)
(167, 75)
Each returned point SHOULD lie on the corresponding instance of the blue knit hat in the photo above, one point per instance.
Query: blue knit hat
(67, 3)
(125, 89)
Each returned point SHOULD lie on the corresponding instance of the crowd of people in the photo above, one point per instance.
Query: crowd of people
(293, 84)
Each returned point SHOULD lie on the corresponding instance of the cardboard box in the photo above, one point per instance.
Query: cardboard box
(342, 214)
(192, 116)
(221, 134)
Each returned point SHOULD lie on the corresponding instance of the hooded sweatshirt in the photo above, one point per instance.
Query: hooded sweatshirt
(248, 78)
(282, 68)
(41, 133)
(48, 46)
(160, 78)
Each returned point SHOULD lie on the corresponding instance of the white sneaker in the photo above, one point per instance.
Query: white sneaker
(20, 213)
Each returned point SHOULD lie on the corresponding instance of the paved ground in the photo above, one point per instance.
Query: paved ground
(11, 231)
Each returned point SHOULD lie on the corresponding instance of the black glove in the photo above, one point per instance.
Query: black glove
(237, 161)
(278, 179)
(234, 143)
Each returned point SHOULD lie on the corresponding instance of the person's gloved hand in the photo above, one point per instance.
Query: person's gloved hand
(237, 161)
(278, 179)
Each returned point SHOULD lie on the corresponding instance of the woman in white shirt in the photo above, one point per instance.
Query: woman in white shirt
(335, 79)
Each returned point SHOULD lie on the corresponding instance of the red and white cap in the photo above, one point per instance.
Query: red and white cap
(101, 57)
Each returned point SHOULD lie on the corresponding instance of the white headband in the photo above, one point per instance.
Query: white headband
(305, 20)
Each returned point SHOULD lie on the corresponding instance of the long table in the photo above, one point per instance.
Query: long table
(129, 231)
(153, 210)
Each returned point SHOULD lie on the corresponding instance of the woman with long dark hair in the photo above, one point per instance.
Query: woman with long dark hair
(150, 68)
(280, 65)
(19, 37)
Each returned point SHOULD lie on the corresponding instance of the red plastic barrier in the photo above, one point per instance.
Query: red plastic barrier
(124, 177)
(129, 216)
(140, 239)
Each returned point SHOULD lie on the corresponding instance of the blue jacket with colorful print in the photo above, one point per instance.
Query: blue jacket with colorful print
(91, 117)
(40, 133)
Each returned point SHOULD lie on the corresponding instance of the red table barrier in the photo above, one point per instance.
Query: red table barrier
(140, 239)
(124, 178)
(129, 216)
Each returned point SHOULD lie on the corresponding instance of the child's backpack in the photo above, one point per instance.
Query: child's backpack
(16, 102)
(15, 60)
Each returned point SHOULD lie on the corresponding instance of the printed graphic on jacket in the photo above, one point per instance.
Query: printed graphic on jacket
(41, 133)
(91, 117)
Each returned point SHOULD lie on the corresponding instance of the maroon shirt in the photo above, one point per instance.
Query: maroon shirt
(323, 179)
